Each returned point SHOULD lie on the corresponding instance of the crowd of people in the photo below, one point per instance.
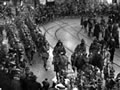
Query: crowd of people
(21, 38)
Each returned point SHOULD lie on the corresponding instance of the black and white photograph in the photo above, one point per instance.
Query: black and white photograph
(59, 45)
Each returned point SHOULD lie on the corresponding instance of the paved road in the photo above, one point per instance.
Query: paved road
(69, 31)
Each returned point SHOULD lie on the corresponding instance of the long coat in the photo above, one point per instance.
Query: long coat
(97, 30)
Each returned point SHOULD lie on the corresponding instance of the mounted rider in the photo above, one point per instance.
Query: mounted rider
(81, 48)
(60, 60)
(94, 47)
(59, 49)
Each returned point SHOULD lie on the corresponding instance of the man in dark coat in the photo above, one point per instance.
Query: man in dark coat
(81, 48)
(85, 23)
(90, 26)
(46, 84)
(97, 30)
(112, 46)
(115, 33)
(94, 47)
(107, 34)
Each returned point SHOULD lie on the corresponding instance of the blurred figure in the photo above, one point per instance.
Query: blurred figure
(94, 47)
(81, 48)
(112, 46)
(85, 23)
(82, 19)
(90, 26)
(102, 21)
(46, 84)
(15, 83)
(59, 48)
(32, 84)
(115, 33)
(5, 80)
(97, 30)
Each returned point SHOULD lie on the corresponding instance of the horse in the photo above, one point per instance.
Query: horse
(60, 63)
(96, 59)
(78, 60)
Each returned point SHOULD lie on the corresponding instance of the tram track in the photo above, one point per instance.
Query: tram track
(63, 28)
(55, 37)
(86, 37)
